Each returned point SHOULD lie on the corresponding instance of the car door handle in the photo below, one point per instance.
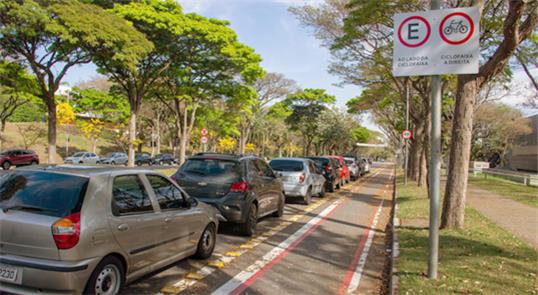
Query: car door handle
(123, 227)
(167, 219)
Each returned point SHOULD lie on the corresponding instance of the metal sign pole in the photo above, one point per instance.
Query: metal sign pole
(435, 169)
(406, 141)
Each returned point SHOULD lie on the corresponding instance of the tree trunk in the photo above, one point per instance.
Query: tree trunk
(94, 145)
(462, 127)
(51, 137)
(132, 139)
(2, 132)
(158, 127)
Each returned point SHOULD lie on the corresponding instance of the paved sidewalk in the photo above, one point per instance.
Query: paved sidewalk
(518, 218)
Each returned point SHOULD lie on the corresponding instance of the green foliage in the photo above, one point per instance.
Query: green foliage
(360, 134)
(110, 106)
(17, 90)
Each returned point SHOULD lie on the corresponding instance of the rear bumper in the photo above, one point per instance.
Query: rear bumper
(232, 207)
(48, 276)
(295, 190)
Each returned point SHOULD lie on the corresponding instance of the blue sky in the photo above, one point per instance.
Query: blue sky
(267, 26)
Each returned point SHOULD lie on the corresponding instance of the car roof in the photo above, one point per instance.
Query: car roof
(292, 159)
(221, 156)
(82, 170)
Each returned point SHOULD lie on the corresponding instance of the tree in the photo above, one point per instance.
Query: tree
(65, 114)
(495, 127)
(17, 88)
(92, 130)
(108, 106)
(270, 88)
(520, 20)
(226, 144)
(210, 64)
(306, 105)
(51, 37)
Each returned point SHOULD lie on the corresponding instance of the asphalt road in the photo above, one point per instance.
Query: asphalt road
(333, 246)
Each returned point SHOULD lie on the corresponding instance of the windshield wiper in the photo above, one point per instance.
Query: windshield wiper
(23, 207)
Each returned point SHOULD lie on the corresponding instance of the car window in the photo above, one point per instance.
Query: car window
(51, 194)
(267, 171)
(129, 196)
(168, 196)
(211, 167)
(78, 155)
(286, 165)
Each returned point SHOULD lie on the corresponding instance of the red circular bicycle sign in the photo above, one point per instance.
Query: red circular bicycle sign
(407, 134)
(414, 31)
(204, 132)
(456, 28)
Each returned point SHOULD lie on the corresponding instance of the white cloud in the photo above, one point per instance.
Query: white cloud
(197, 6)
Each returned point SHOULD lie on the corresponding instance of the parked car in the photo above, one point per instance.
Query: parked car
(242, 188)
(300, 177)
(114, 159)
(82, 158)
(329, 166)
(367, 165)
(90, 230)
(18, 158)
(344, 170)
(354, 169)
(162, 159)
(141, 159)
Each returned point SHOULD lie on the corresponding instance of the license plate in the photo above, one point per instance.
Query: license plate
(10, 274)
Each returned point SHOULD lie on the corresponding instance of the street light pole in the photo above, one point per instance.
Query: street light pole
(435, 169)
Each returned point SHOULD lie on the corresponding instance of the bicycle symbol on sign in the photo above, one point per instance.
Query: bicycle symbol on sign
(456, 26)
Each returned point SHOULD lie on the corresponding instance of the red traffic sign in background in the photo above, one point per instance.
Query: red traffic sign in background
(407, 134)
(204, 132)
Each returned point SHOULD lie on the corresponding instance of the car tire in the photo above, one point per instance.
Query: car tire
(34, 162)
(138, 163)
(338, 185)
(248, 228)
(108, 276)
(280, 211)
(207, 242)
(161, 163)
(6, 165)
(308, 197)
(332, 187)
(322, 192)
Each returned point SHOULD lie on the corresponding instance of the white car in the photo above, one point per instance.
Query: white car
(366, 165)
(354, 169)
(82, 158)
(300, 177)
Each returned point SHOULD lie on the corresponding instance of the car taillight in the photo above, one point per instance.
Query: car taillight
(66, 231)
(239, 187)
(328, 168)
(301, 178)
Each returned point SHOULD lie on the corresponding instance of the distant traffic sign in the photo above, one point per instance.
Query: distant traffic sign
(204, 132)
(407, 134)
(204, 140)
(436, 42)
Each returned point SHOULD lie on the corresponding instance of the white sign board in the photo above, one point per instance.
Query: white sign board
(407, 134)
(436, 42)
(204, 140)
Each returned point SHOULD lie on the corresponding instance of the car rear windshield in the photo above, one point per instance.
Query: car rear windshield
(286, 165)
(212, 167)
(320, 161)
(43, 193)
(349, 162)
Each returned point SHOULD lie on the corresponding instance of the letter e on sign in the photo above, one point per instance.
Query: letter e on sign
(414, 31)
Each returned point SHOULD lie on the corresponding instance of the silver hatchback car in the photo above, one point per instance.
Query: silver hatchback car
(92, 229)
(300, 177)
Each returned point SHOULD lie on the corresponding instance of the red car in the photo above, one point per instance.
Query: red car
(344, 170)
(18, 158)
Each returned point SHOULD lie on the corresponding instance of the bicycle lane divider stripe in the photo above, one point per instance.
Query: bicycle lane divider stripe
(353, 276)
(245, 278)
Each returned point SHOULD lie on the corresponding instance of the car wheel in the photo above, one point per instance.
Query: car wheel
(308, 197)
(112, 163)
(34, 162)
(161, 163)
(338, 185)
(6, 165)
(107, 278)
(280, 211)
(249, 227)
(138, 163)
(322, 191)
(206, 245)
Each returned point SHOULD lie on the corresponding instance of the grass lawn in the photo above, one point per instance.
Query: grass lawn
(482, 258)
(516, 191)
